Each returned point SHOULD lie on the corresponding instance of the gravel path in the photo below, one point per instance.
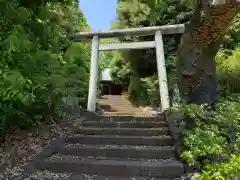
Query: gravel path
(47, 175)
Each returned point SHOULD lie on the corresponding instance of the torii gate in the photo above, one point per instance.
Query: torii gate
(158, 44)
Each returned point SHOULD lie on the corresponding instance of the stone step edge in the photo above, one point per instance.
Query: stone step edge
(119, 122)
(112, 146)
(58, 156)
(112, 167)
(83, 176)
(124, 124)
(139, 131)
(161, 137)
(113, 128)
(120, 152)
(96, 116)
(120, 140)
(104, 118)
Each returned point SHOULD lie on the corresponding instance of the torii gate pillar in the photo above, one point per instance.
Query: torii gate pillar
(92, 91)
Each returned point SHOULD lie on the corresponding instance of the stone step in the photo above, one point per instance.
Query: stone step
(63, 156)
(126, 112)
(124, 168)
(125, 124)
(122, 131)
(97, 177)
(47, 175)
(122, 106)
(128, 118)
(120, 113)
(123, 118)
(121, 140)
(137, 152)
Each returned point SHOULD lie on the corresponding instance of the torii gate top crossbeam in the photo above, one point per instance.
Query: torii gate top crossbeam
(142, 31)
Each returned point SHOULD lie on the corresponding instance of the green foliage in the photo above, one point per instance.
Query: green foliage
(218, 136)
(106, 56)
(223, 171)
(136, 90)
(214, 137)
(232, 39)
(228, 70)
(120, 70)
(37, 67)
(151, 86)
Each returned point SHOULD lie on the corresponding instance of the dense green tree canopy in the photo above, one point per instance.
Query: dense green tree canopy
(147, 13)
(39, 65)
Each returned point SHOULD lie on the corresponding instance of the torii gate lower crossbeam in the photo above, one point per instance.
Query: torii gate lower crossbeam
(158, 31)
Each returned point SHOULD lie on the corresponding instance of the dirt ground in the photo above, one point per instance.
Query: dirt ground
(19, 146)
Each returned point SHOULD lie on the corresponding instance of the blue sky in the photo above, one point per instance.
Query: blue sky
(99, 13)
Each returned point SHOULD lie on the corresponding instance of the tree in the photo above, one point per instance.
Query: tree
(142, 63)
(144, 13)
(38, 67)
(196, 68)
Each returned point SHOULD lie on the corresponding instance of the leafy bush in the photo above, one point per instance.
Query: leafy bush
(222, 171)
(151, 86)
(37, 67)
(120, 71)
(228, 70)
(214, 138)
(138, 90)
(145, 90)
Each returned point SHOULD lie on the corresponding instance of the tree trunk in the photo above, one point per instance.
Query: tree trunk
(196, 68)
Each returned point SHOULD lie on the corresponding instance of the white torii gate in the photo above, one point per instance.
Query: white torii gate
(158, 44)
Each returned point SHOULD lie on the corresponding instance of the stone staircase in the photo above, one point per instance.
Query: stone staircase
(119, 105)
(116, 147)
